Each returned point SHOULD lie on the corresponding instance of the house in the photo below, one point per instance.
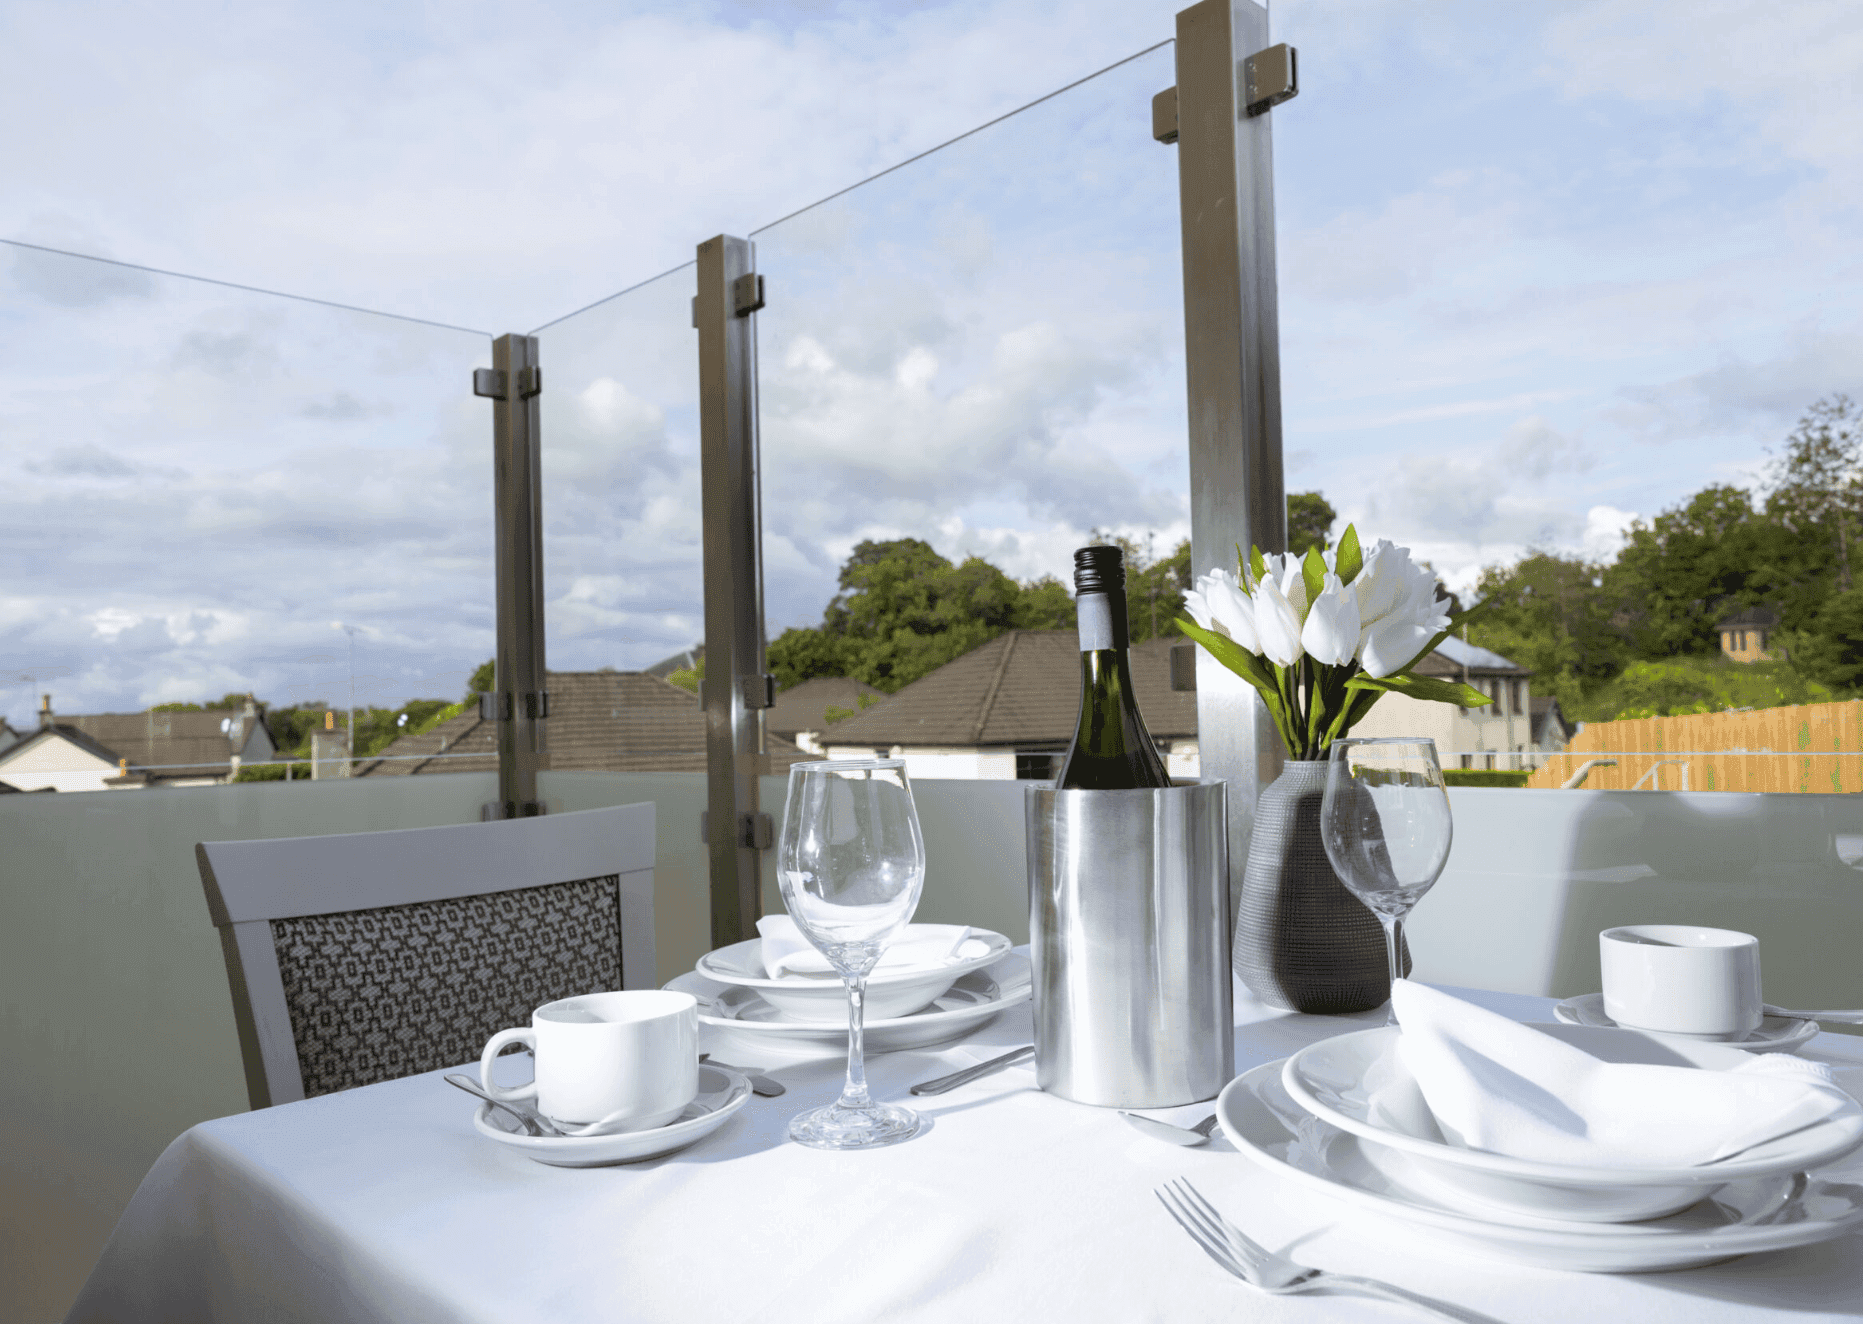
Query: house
(1745, 634)
(803, 712)
(600, 721)
(129, 751)
(1007, 710)
(1473, 737)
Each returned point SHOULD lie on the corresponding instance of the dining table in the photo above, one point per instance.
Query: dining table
(383, 1203)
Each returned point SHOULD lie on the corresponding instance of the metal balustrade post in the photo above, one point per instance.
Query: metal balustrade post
(736, 689)
(519, 702)
(1227, 78)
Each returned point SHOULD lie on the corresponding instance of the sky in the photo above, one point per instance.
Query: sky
(1543, 269)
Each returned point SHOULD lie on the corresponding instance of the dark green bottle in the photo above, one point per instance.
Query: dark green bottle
(1112, 750)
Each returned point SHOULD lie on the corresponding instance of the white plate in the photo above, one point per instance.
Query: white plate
(1757, 1214)
(721, 1093)
(1358, 1083)
(735, 1016)
(823, 998)
(1776, 1034)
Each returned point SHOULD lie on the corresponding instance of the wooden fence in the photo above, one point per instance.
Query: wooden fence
(1810, 747)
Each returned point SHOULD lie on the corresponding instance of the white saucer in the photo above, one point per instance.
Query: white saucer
(1263, 1122)
(1776, 1034)
(721, 1093)
(736, 1018)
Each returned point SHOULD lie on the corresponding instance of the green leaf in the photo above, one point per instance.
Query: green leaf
(1351, 559)
(1252, 667)
(1423, 687)
(1313, 571)
(1257, 567)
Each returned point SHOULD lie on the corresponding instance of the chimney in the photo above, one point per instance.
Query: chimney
(45, 714)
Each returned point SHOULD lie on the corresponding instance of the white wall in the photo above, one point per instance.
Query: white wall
(58, 764)
(1453, 729)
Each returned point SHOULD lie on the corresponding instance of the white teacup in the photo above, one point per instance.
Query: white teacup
(633, 1053)
(1681, 979)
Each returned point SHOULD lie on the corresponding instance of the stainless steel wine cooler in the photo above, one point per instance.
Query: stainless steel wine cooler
(1129, 935)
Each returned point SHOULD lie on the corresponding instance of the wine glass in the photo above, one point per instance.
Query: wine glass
(851, 864)
(1385, 824)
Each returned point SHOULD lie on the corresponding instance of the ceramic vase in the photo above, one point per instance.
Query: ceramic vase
(1302, 941)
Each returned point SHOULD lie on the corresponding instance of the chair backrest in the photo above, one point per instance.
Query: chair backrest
(375, 955)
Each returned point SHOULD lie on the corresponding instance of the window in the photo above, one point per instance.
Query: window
(1034, 767)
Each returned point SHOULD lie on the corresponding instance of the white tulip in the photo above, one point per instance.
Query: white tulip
(1398, 609)
(1218, 604)
(1278, 621)
(1330, 634)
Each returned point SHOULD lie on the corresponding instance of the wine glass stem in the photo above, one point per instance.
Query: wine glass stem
(854, 1093)
(1394, 953)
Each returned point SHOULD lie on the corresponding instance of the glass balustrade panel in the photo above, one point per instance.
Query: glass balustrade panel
(969, 367)
(622, 563)
(208, 493)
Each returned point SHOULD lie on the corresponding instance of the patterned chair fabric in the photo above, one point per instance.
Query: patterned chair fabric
(379, 994)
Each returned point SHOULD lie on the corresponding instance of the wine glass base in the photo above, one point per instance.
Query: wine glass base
(835, 1127)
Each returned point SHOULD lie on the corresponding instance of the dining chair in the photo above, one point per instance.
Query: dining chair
(369, 956)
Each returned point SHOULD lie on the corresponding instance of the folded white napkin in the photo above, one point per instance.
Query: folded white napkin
(1496, 1085)
(787, 953)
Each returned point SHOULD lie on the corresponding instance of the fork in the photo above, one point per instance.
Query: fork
(1261, 1268)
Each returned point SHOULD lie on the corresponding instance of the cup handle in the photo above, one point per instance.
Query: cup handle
(507, 1094)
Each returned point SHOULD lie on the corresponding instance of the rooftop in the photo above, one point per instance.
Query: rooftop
(1021, 688)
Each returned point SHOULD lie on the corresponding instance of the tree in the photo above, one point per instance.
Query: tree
(484, 679)
(1814, 484)
(1680, 574)
(230, 701)
(1832, 651)
(1154, 588)
(1550, 613)
(1310, 519)
(904, 610)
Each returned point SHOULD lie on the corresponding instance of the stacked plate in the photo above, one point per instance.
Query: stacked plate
(1343, 1117)
(743, 1009)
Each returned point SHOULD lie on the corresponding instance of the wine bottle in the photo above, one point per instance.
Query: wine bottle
(1112, 750)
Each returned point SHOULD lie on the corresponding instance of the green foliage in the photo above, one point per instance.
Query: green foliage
(291, 727)
(230, 701)
(376, 728)
(1155, 589)
(1831, 650)
(1816, 488)
(834, 712)
(1675, 686)
(1638, 636)
(688, 678)
(904, 610)
(1485, 777)
(1310, 519)
(484, 679)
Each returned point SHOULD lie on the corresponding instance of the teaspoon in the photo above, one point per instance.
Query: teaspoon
(1834, 1017)
(533, 1126)
(1188, 1136)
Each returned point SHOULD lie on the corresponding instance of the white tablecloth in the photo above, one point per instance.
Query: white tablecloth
(383, 1204)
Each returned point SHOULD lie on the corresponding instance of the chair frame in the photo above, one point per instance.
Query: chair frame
(251, 883)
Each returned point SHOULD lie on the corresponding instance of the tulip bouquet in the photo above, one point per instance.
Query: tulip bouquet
(1326, 636)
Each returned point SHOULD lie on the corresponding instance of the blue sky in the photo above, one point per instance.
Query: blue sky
(1543, 268)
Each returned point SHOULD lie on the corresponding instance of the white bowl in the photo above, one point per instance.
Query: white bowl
(822, 999)
(1337, 1079)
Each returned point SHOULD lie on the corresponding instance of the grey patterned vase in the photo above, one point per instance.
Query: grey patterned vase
(1303, 941)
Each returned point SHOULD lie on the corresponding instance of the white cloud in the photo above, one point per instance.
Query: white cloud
(1606, 529)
